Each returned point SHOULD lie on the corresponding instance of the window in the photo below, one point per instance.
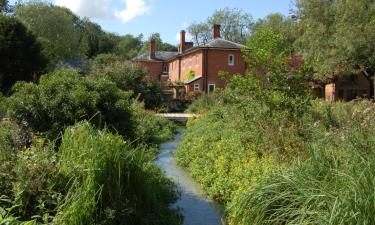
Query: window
(165, 69)
(190, 61)
(211, 88)
(197, 87)
(196, 60)
(231, 60)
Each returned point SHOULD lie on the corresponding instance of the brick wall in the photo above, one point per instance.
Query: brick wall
(218, 61)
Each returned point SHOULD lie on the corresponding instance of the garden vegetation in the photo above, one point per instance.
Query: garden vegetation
(78, 149)
(271, 154)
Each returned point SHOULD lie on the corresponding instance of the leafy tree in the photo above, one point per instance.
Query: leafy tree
(59, 30)
(338, 37)
(278, 23)
(4, 6)
(160, 45)
(271, 81)
(129, 46)
(21, 57)
(235, 26)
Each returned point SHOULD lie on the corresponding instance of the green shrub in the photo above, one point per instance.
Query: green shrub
(129, 77)
(95, 178)
(149, 128)
(38, 188)
(203, 104)
(111, 182)
(64, 97)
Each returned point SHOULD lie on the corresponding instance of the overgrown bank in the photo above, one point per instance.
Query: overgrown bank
(272, 155)
(79, 150)
(274, 171)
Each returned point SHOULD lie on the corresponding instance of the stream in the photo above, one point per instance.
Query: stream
(196, 208)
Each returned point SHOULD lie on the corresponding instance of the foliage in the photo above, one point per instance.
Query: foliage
(160, 45)
(95, 178)
(279, 24)
(203, 104)
(129, 46)
(129, 77)
(337, 37)
(57, 28)
(148, 127)
(333, 184)
(111, 183)
(235, 24)
(63, 97)
(190, 74)
(21, 54)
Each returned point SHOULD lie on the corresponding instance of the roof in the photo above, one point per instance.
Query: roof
(221, 43)
(216, 43)
(159, 56)
(192, 80)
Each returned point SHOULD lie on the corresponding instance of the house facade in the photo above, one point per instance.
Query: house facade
(196, 68)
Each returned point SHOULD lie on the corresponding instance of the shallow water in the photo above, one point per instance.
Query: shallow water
(196, 208)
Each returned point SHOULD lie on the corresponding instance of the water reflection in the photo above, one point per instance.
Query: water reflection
(196, 209)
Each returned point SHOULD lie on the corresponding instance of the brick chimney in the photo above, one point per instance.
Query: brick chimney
(182, 47)
(152, 48)
(216, 31)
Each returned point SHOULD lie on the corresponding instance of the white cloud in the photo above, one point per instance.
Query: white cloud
(133, 9)
(88, 8)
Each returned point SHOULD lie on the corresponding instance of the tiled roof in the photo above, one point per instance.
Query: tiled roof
(221, 43)
(159, 56)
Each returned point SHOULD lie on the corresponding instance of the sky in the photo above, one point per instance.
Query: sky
(166, 17)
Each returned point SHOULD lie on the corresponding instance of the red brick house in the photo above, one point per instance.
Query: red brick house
(195, 67)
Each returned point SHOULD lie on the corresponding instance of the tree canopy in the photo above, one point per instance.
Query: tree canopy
(58, 29)
(235, 26)
(21, 56)
(337, 37)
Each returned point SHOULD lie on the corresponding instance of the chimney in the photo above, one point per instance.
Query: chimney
(216, 31)
(182, 42)
(152, 48)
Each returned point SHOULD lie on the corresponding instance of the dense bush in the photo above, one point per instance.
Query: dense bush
(111, 183)
(129, 77)
(95, 178)
(63, 97)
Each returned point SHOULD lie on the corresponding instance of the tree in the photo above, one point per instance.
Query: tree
(4, 6)
(129, 46)
(160, 45)
(21, 56)
(280, 24)
(337, 37)
(59, 30)
(235, 26)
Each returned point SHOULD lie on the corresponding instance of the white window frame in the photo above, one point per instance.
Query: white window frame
(197, 87)
(196, 60)
(231, 62)
(208, 88)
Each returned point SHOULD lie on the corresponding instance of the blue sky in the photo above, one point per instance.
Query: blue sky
(166, 17)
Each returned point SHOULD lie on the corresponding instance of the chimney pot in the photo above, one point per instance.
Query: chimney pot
(216, 31)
